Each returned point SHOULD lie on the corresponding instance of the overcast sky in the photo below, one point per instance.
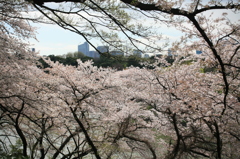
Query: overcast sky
(54, 40)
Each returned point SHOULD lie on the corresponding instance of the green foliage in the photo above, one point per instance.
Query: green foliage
(75, 55)
(108, 60)
(208, 69)
(2, 152)
(149, 107)
(134, 60)
(57, 58)
(169, 59)
(15, 152)
(184, 123)
(71, 59)
(119, 62)
(219, 91)
(42, 63)
(166, 138)
(187, 62)
(202, 70)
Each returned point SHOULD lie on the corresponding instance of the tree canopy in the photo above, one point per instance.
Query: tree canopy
(186, 108)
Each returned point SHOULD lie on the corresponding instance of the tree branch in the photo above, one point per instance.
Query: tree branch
(85, 133)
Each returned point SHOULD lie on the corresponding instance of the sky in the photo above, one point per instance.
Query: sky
(53, 40)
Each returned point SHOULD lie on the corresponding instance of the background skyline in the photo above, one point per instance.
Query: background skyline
(54, 40)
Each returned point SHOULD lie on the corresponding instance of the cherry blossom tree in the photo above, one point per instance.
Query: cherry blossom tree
(13, 56)
(188, 109)
(187, 106)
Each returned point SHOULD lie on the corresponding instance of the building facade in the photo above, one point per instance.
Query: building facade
(138, 53)
(117, 53)
(94, 54)
(84, 48)
(103, 49)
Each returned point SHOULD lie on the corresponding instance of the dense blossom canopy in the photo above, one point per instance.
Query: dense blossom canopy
(187, 109)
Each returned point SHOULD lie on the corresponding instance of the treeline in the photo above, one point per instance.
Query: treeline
(106, 60)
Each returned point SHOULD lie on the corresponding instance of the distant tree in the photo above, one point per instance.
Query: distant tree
(70, 54)
(42, 63)
(70, 61)
(114, 61)
(79, 55)
(55, 58)
(134, 60)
